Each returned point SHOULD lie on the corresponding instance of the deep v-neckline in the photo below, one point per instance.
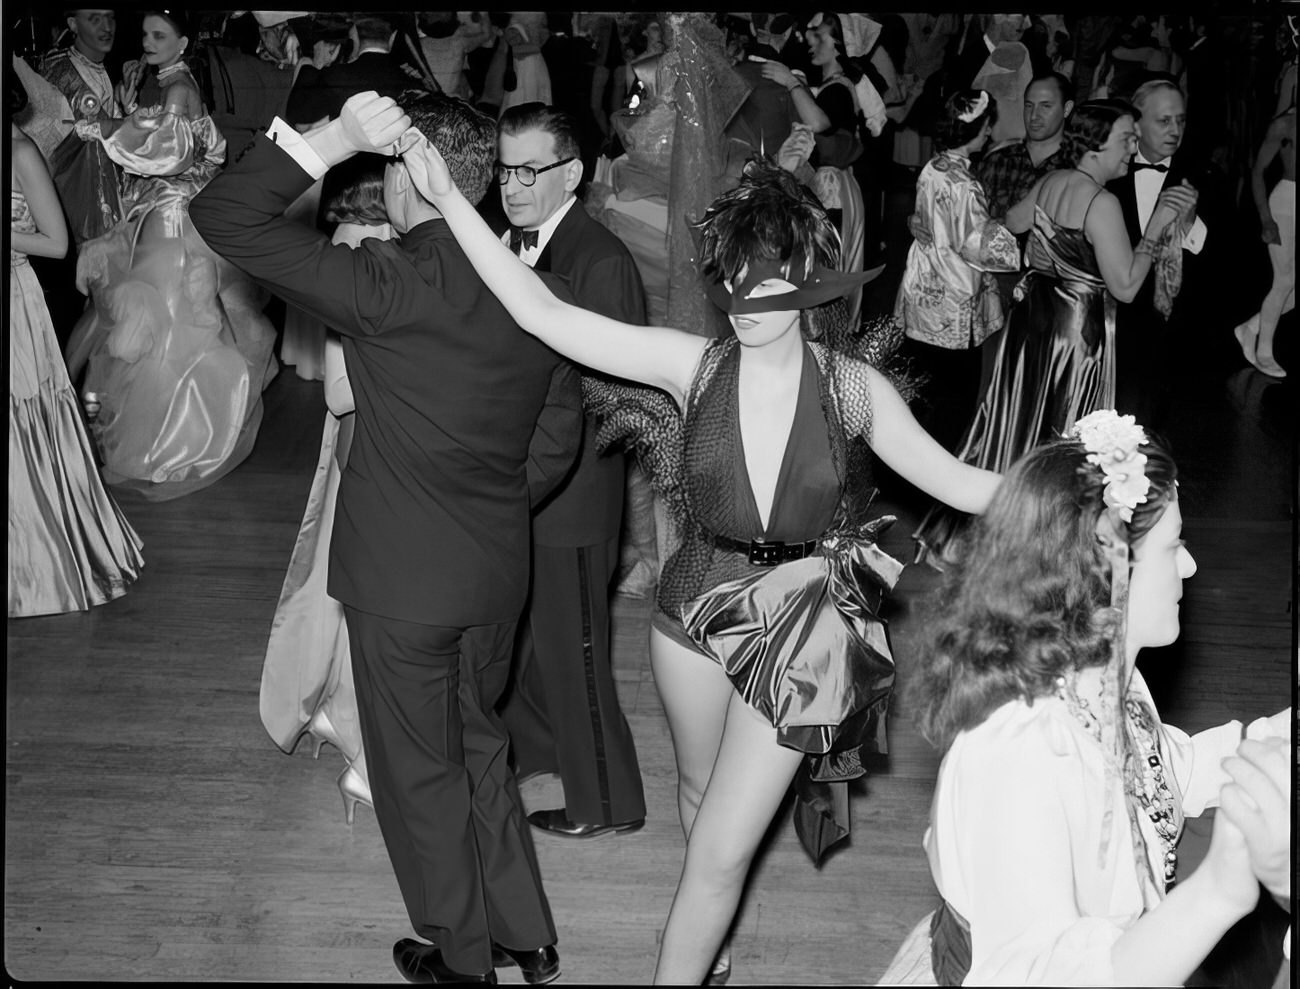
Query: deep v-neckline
(787, 456)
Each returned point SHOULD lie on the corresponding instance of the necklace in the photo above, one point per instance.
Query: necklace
(1145, 783)
(175, 68)
(1088, 175)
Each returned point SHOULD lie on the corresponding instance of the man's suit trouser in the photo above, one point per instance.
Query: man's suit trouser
(563, 711)
(444, 795)
(1144, 363)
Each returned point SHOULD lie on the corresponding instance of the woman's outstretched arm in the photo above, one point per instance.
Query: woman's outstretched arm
(898, 439)
(658, 356)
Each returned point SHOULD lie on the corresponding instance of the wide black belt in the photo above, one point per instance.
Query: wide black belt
(767, 552)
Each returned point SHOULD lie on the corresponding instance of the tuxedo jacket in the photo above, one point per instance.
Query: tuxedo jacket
(601, 275)
(321, 93)
(432, 522)
(1181, 167)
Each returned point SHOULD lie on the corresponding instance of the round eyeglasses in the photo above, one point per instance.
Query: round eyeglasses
(526, 174)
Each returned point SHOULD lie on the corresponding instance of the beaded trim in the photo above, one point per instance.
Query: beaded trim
(1147, 785)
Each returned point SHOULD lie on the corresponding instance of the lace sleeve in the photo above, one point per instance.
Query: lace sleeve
(641, 420)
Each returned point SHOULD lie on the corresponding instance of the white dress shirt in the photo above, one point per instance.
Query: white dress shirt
(296, 147)
(529, 255)
(1147, 183)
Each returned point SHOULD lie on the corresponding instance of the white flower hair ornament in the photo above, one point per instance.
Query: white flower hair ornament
(975, 109)
(1112, 442)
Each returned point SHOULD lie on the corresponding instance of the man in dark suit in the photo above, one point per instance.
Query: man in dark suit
(319, 94)
(563, 712)
(765, 118)
(431, 541)
(1146, 341)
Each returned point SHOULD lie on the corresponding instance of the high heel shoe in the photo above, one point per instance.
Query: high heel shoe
(321, 731)
(355, 789)
(720, 974)
(1247, 334)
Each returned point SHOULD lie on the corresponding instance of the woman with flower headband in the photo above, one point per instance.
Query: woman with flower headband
(175, 345)
(1055, 359)
(762, 445)
(947, 299)
(1061, 795)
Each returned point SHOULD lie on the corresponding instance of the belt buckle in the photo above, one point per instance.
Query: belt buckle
(766, 554)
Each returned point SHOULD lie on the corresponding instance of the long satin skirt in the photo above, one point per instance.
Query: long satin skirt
(70, 546)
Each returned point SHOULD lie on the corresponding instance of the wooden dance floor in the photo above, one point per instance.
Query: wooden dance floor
(153, 831)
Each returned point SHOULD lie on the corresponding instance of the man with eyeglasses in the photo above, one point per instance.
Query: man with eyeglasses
(563, 713)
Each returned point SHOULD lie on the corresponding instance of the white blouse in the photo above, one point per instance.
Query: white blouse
(1016, 832)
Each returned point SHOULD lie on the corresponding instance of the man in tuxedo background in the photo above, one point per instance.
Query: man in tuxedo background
(431, 533)
(319, 94)
(1146, 341)
(562, 710)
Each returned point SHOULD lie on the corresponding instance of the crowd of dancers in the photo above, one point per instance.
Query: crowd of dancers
(517, 395)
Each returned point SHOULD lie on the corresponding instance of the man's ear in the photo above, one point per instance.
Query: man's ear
(573, 175)
(1069, 107)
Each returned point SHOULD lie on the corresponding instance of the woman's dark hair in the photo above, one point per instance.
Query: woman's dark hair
(173, 17)
(852, 71)
(16, 100)
(360, 195)
(951, 131)
(1089, 126)
(1028, 599)
(769, 216)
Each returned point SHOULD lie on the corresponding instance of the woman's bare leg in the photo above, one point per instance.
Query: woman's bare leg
(750, 778)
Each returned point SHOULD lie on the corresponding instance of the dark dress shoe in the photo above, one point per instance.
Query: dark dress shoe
(423, 963)
(557, 822)
(540, 965)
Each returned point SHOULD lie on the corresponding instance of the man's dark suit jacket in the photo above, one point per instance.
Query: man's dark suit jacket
(764, 120)
(432, 524)
(602, 277)
(321, 93)
(1181, 166)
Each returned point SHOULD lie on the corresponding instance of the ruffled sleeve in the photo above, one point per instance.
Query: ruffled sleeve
(153, 141)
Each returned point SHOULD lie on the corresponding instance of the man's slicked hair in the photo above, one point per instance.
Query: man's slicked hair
(466, 138)
(1143, 92)
(559, 124)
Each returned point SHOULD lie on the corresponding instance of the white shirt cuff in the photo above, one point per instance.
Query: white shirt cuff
(297, 147)
(1194, 239)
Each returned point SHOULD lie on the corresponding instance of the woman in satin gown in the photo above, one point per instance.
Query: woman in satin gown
(307, 685)
(1055, 360)
(175, 346)
(70, 546)
(765, 436)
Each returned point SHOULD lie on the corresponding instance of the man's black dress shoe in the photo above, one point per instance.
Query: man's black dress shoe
(423, 963)
(557, 822)
(540, 965)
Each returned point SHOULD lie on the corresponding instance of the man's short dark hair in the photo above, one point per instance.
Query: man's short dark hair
(561, 125)
(373, 30)
(466, 138)
(1062, 83)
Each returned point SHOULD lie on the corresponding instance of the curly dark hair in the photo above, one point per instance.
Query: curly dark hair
(950, 130)
(466, 138)
(1029, 598)
(1088, 127)
(769, 216)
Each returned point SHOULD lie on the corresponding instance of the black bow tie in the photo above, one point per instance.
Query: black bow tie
(1139, 165)
(520, 237)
